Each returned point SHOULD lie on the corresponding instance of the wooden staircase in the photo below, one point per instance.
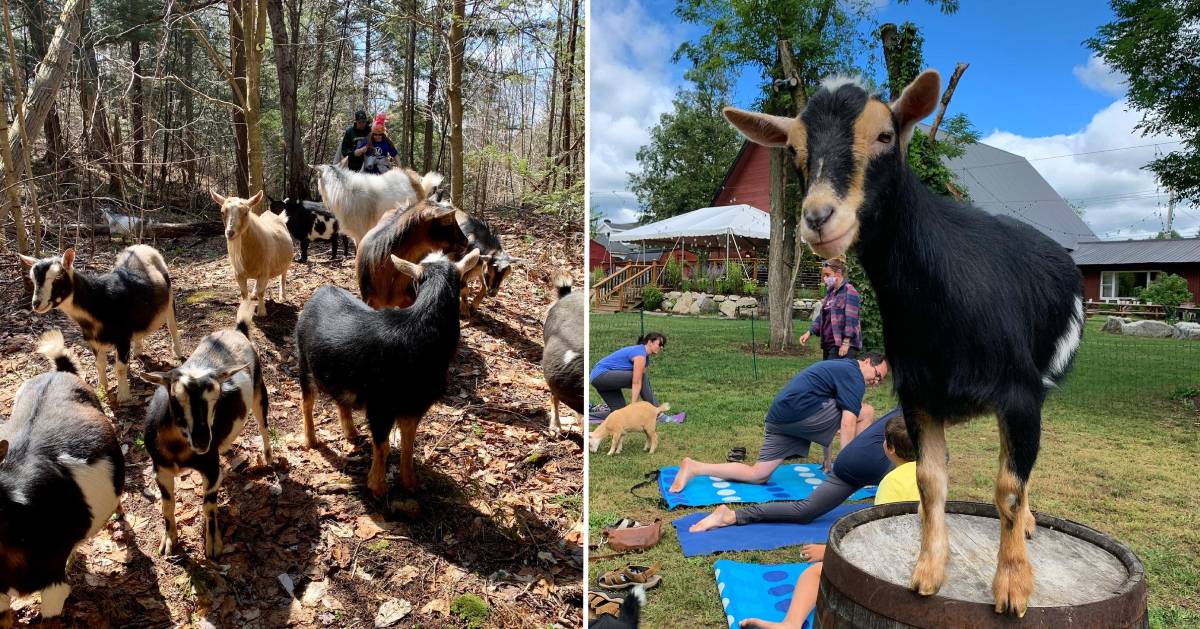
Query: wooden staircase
(622, 290)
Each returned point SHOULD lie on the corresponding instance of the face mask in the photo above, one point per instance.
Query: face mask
(830, 281)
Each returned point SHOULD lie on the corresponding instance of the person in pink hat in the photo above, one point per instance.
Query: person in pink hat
(377, 151)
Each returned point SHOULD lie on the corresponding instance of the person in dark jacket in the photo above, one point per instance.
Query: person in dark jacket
(359, 130)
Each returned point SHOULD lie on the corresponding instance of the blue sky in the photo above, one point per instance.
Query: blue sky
(1032, 88)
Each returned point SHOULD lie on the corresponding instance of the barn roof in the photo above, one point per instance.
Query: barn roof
(1113, 252)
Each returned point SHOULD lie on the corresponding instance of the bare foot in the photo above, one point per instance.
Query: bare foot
(684, 476)
(754, 622)
(812, 552)
(721, 516)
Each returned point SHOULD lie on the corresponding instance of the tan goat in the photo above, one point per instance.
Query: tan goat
(260, 246)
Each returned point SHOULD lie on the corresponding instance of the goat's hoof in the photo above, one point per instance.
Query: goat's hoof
(1012, 586)
(928, 576)
(212, 548)
(166, 547)
(311, 441)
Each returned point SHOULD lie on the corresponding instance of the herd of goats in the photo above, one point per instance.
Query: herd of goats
(421, 264)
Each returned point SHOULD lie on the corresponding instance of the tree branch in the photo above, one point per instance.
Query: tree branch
(958, 72)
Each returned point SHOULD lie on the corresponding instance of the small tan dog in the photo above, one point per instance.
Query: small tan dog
(641, 416)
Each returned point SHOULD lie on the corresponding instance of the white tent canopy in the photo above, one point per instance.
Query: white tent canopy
(709, 225)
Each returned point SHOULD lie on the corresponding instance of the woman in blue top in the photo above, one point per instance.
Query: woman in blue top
(626, 369)
(376, 148)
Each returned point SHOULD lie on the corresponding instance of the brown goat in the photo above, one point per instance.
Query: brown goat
(260, 246)
(409, 235)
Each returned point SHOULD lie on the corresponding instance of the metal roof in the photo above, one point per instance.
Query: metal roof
(1112, 252)
(1003, 183)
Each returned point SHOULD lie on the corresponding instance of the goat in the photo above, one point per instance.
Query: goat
(562, 354)
(123, 225)
(981, 313)
(61, 478)
(496, 262)
(197, 412)
(115, 311)
(309, 220)
(359, 200)
(260, 246)
(409, 235)
(391, 362)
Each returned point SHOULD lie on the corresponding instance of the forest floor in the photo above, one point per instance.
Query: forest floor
(498, 514)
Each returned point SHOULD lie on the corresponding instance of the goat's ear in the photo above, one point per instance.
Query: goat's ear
(468, 262)
(444, 215)
(222, 376)
(917, 101)
(407, 268)
(256, 199)
(157, 377)
(3, 449)
(68, 258)
(218, 199)
(763, 129)
(27, 261)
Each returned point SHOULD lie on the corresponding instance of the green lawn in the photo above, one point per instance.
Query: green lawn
(1117, 453)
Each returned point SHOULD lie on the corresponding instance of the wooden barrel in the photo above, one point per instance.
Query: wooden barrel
(1082, 578)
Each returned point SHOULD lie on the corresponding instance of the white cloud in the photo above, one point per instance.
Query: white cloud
(1120, 199)
(1097, 75)
(631, 86)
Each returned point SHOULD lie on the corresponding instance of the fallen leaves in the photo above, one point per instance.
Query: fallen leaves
(392, 611)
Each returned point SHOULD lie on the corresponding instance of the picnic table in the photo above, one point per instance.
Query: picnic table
(1127, 309)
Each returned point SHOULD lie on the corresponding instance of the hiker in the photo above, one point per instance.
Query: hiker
(824, 400)
(360, 129)
(626, 369)
(899, 485)
(376, 150)
(837, 321)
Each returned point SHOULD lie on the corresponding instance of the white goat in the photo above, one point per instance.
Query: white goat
(358, 200)
(260, 246)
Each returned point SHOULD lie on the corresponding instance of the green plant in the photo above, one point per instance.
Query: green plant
(749, 288)
(1168, 291)
(471, 609)
(672, 273)
(652, 298)
(598, 275)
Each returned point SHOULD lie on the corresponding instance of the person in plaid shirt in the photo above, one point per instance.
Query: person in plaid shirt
(837, 322)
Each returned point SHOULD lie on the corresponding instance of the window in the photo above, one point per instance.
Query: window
(1116, 285)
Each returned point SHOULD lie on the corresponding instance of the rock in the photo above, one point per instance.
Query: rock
(705, 305)
(719, 298)
(1151, 329)
(1113, 324)
(392, 611)
(729, 309)
(747, 302)
(1187, 330)
(667, 305)
(674, 294)
(683, 304)
(746, 313)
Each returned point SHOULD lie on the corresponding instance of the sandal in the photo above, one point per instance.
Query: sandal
(736, 455)
(600, 604)
(630, 575)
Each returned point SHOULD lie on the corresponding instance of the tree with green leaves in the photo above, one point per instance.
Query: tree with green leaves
(1168, 235)
(1155, 43)
(689, 152)
(1168, 291)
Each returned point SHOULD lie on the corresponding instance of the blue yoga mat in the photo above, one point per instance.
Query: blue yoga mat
(750, 590)
(788, 482)
(761, 536)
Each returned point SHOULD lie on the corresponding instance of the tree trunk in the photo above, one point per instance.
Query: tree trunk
(568, 89)
(35, 12)
(285, 65)
(454, 94)
(49, 77)
(780, 251)
(333, 83)
(410, 97)
(366, 97)
(13, 200)
(435, 58)
(554, 83)
(237, 63)
(254, 36)
(189, 114)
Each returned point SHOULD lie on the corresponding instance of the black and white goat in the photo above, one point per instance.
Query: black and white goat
(981, 313)
(61, 478)
(562, 353)
(115, 310)
(309, 220)
(391, 362)
(198, 412)
(495, 262)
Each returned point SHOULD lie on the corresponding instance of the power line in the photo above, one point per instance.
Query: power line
(1039, 159)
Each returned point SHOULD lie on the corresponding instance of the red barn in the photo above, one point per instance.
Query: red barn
(598, 256)
(1115, 270)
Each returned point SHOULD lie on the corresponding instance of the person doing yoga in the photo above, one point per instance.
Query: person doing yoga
(824, 400)
(626, 368)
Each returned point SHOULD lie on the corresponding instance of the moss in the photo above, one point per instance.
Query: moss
(471, 609)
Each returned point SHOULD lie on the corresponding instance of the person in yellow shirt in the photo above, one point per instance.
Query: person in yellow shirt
(900, 485)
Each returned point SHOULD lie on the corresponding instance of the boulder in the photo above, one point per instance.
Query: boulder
(746, 313)
(1113, 324)
(728, 308)
(668, 304)
(719, 298)
(684, 303)
(1151, 329)
(1187, 330)
(747, 302)
(703, 305)
(674, 294)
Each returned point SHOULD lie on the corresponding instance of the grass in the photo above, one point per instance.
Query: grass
(1117, 453)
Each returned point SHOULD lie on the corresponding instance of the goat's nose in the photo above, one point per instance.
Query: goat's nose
(816, 217)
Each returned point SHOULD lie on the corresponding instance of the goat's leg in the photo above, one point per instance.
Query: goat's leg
(173, 329)
(166, 490)
(307, 398)
(651, 439)
(479, 294)
(304, 250)
(408, 443)
(381, 428)
(1020, 434)
(930, 571)
(283, 286)
(212, 530)
(334, 242)
(101, 369)
(260, 408)
(346, 415)
(260, 293)
(8, 618)
(555, 424)
(243, 286)
(121, 367)
(54, 596)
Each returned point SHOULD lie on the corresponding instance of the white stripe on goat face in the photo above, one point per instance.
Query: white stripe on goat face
(197, 381)
(42, 292)
(234, 214)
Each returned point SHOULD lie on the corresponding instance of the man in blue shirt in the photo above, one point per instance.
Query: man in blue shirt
(824, 400)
